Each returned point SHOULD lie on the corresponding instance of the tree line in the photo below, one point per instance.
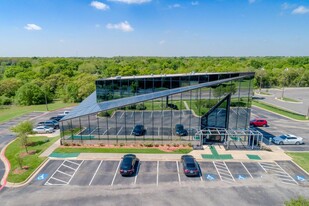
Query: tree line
(28, 81)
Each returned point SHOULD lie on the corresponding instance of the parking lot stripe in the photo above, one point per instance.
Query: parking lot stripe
(178, 172)
(119, 130)
(286, 173)
(262, 167)
(132, 114)
(132, 132)
(93, 131)
(217, 170)
(116, 173)
(136, 173)
(151, 113)
(58, 180)
(68, 167)
(229, 171)
(75, 171)
(53, 174)
(95, 173)
(157, 173)
(104, 132)
(246, 169)
(64, 173)
(121, 115)
(74, 162)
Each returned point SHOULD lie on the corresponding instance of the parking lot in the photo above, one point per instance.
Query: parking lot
(106, 173)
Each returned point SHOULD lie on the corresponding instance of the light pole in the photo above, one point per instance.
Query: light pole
(261, 78)
(284, 75)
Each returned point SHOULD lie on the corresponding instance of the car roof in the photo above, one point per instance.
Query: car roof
(129, 155)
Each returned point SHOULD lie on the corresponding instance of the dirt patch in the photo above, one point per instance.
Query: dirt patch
(19, 171)
(24, 154)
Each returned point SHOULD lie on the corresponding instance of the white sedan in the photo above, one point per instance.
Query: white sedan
(287, 139)
(43, 129)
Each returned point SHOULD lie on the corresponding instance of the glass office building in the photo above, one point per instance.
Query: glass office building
(161, 108)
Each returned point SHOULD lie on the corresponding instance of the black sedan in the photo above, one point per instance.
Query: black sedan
(139, 130)
(190, 166)
(128, 164)
(180, 130)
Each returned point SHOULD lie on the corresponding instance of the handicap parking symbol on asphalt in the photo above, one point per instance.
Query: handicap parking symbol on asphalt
(300, 178)
(241, 177)
(42, 176)
(210, 177)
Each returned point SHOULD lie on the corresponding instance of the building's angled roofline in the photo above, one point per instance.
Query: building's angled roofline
(168, 75)
(90, 105)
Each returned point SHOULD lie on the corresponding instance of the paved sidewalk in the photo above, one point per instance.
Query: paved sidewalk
(50, 150)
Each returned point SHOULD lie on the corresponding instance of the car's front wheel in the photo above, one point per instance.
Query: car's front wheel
(281, 143)
(297, 143)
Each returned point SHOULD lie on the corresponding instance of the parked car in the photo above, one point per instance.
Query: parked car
(190, 166)
(64, 113)
(139, 130)
(128, 164)
(43, 129)
(48, 123)
(58, 118)
(180, 130)
(258, 122)
(287, 139)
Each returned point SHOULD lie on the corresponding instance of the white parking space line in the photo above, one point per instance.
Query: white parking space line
(132, 132)
(105, 132)
(178, 172)
(246, 169)
(64, 173)
(217, 170)
(263, 167)
(157, 173)
(68, 166)
(53, 174)
(72, 162)
(286, 173)
(119, 130)
(229, 171)
(116, 173)
(93, 131)
(137, 171)
(113, 115)
(75, 172)
(58, 180)
(95, 173)
(121, 115)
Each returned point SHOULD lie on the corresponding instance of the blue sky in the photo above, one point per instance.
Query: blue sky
(154, 28)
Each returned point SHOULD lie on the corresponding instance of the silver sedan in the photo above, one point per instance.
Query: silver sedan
(43, 129)
(287, 139)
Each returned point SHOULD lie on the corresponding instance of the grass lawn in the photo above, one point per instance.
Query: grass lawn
(120, 150)
(301, 158)
(279, 111)
(10, 112)
(33, 161)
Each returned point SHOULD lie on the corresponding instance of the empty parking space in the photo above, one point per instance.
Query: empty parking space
(238, 170)
(147, 173)
(167, 172)
(254, 169)
(294, 171)
(209, 171)
(85, 173)
(105, 173)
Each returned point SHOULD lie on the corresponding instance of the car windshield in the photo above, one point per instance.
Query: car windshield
(126, 163)
(282, 137)
(138, 128)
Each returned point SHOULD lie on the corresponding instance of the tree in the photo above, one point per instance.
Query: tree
(300, 201)
(30, 94)
(23, 129)
(8, 87)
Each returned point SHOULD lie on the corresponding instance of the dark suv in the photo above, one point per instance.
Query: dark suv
(128, 163)
(180, 130)
(138, 130)
(190, 166)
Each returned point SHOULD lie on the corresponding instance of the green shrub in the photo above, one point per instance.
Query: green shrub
(66, 144)
(141, 107)
(189, 144)
(104, 114)
(121, 144)
(157, 145)
(132, 106)
(5, 100)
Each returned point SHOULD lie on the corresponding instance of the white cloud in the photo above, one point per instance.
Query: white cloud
(99, 5)
(132, 1)
(123, 26)
(174, 6)
(251, 1)
(195, 3)
(300, 10)
(32, 27)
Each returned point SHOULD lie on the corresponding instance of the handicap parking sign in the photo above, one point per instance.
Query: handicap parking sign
(300, 178)
(42, 176)
(241, 177)
(210, 177)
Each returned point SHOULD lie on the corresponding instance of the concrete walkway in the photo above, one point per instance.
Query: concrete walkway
(51, 149)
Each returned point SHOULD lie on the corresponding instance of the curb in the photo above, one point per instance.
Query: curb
(6, 164)
(280, 114)
(300, 167)
(31, 176)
